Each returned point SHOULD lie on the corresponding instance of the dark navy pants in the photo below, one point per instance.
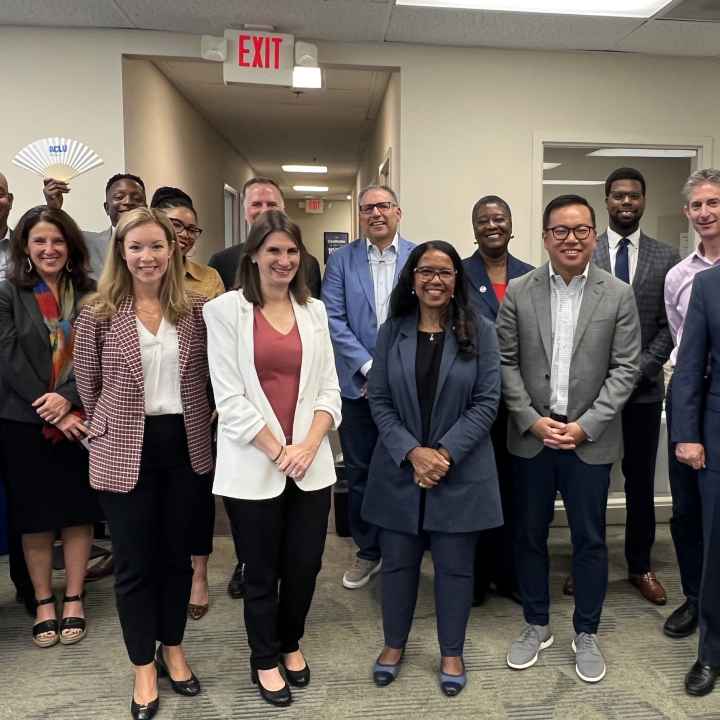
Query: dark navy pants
(709, 599)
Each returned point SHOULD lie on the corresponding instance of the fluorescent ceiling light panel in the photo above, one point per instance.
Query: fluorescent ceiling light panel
(573, 182)
(320, 169)
(310, 188)
(643, 152)
(609, 8)
(551, 166)
(307, 77)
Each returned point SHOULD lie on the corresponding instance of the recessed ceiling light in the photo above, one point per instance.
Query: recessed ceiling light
(320, 169)
(551, 166)
(643, 152)
(348, 197)
(310, 188)
(611, 8)
(573, 182)
(306, 77)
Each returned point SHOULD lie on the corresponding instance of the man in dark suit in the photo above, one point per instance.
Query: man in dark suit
(696, 430)
(488, 271)
(569, 337)
(259, 194)
(643, 262)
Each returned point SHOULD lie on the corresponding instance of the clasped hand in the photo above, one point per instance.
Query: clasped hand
(429, 466)
(51, 407)
(558, 435)
(294, 460)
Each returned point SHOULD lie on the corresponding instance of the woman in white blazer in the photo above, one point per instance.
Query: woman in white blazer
(277, 396)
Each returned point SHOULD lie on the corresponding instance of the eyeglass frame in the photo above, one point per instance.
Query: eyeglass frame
(382, 207)
(435, 273)
(192, 231)
(551, 230)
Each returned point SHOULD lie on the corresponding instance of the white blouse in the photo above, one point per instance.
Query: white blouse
(161, 369)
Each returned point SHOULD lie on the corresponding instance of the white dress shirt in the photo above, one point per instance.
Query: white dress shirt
(565, 301)
(161, 369)
(613, 242)
(4, 254)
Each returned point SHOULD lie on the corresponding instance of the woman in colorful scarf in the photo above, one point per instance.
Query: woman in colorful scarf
(45, 467)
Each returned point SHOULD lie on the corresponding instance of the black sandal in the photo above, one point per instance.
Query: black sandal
(72, 623)
(46, 626)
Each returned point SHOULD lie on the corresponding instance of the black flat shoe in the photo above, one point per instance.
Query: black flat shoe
(700, 680)
(144, 712)
(297, 678)
(279, 698)
(683, 621)
(188, 688)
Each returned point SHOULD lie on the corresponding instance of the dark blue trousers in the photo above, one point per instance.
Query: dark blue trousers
(709, 599)
(358, 436)
(686, 524)
(584, 489)
(453, 555)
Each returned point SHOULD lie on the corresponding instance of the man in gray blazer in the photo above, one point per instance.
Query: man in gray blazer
(123, 192)
(569, 337)
(643, 262)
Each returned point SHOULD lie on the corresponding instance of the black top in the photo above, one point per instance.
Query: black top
(427, 369)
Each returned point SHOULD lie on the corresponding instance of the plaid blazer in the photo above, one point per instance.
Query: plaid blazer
(654, 260)
(109, 376)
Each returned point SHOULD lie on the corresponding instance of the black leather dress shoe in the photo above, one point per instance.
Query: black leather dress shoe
(700, 680)
(188, 688)
(144, 712)
(683, 621)
(279, 698)
(236, 586)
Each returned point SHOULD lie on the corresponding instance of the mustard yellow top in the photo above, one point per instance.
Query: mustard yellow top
(203, 280)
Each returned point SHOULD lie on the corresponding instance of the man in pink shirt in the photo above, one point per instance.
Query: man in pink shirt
(702, 208)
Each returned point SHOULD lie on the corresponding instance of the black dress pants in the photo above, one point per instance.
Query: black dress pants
(709, 600)
(203, 525)
(150, 528)
(641, 434)
(280, 542)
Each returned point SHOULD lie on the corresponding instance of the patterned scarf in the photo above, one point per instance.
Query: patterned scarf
(58, 322)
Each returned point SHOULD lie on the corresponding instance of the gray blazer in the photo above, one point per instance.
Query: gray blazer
(654, 260)
(97, 245)
(604, 366)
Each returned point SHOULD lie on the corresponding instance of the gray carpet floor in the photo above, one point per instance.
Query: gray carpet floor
(344, 635)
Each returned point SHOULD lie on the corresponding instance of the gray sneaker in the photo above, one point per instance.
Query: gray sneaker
(525, 650)
(360, 573)
(589, 662)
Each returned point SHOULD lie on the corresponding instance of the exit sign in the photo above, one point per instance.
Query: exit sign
(259, 57)
(314, 205)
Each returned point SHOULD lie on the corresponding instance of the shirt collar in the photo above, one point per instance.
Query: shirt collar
(372, 249)
(700, 255)
(193, 270)
(556, 276)
(614, 238)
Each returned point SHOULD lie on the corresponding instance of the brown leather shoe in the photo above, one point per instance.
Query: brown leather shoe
(102, 568)
(649, 587)
(569, 586)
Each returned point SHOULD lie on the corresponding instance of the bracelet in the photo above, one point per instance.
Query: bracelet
(277, 457)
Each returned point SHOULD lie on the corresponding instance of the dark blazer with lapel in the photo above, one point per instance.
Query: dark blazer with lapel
(653, 262)
(695, 401)
(466, 401)
(109, 373)
(227, 261)
(25, 356)
(482, 295)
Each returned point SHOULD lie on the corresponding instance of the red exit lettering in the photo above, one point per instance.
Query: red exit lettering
(259, 51)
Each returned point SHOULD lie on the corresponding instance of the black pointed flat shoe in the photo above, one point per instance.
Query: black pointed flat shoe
(279, 698)
(144, 712)
(297, 678)
(188, 688)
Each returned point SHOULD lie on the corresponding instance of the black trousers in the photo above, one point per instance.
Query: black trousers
(641, 434)
(686, 523)
(452, 555)
(709, 600)
(150, 529)
(495, 554)
(584, 489)
(203, 524)
(358, 435)
(281, 543)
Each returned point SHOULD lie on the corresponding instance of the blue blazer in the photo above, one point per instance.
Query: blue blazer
(482, 296)
(349, 299)
(466, 402)
(695, 402)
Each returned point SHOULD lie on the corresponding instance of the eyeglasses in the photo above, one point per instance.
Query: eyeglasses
(192, 231)
(383, 207)
(562, 232)
(426, 274)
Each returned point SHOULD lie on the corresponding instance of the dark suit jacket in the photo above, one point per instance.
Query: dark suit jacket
(482, 295)
(654, 261)
(466, 401)
(25, 356)
(227, 261)
(695, 401)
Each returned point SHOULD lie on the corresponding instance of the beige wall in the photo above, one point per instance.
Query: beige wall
(167, 142)
(336, 218)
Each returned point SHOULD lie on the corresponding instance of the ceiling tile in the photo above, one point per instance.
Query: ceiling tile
(674, 37)
(62, 13)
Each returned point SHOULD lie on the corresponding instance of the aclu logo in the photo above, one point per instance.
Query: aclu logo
(57, 148)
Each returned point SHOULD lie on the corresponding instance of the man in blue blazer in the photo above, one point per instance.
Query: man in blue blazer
(356, 291)
(488, 271)
(696, 430)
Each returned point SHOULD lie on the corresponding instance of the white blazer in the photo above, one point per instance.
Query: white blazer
(242, 471)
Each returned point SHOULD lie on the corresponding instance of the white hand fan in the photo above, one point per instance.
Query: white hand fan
(58, 158)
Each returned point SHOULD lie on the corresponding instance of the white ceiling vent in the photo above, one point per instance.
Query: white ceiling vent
(694, 11)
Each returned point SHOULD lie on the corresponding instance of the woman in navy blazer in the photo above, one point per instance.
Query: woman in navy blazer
(433, 389)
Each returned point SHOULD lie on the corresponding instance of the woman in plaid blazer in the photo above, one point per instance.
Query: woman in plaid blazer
(141, 369)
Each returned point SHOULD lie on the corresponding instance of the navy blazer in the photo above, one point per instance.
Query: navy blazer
(467, 499)
(481, 292)
(695, 401)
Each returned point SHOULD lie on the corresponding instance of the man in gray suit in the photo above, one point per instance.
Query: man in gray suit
(123, 192)
(569, 337)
